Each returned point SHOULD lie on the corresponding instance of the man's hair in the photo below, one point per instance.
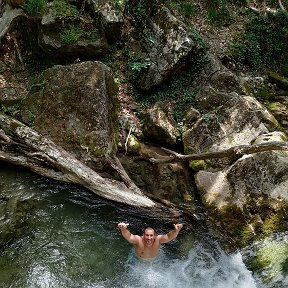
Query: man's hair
(151, 228)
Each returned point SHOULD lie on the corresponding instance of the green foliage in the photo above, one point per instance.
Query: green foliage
(119, 4)
(71, 35)
(74, 33)
(138, 62)
(11, 110)
(218, 13)
(207, 118)
(184, 7)
(197, 37)
(219, 16)
(37, 80)
(264, 43)
(62, 10)
(34, 7)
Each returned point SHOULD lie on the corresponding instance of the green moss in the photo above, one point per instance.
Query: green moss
(244, 233)
(62, 10)
(271, 224)
(274, 255)
(133, 143)
(197, 165)
(247, 88)
(279, 80)
(273, 105)
(265, 92)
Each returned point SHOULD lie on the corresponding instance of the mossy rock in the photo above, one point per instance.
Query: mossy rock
(270, 261)
(197, 165)
(279, 80)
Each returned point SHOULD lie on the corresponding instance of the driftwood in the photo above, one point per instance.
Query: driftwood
(23, 146)
(233, 152)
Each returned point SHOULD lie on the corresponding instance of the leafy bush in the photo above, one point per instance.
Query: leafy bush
(264, 43)
(34, 7)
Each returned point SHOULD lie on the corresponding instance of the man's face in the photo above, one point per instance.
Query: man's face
(149, 237)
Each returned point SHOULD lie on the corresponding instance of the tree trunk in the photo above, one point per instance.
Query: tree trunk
(23, 146)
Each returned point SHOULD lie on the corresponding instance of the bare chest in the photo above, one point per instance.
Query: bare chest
(147, 252)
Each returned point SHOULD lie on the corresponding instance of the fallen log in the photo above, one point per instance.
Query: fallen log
(21, 145)
(232, 152)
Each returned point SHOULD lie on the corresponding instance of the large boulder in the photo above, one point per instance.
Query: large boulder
(238, 122)
(170, 47)
(249, 197)
(77, 106)
(218, 84)
(159, 125)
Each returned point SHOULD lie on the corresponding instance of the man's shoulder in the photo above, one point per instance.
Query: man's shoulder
(138, 240)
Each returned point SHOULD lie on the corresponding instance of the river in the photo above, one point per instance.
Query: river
(71, 239)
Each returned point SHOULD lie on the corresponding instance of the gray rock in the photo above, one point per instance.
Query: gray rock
(159, 125)
(7, 18)
(240, 121)
(170, 46)
(111, 17)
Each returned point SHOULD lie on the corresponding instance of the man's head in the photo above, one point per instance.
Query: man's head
(149, 235)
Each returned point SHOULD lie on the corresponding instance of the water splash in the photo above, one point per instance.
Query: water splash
(200, 269)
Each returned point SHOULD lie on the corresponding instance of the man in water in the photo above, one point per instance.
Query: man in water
(147, 246)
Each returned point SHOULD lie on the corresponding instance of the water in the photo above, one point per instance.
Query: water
(72, 240)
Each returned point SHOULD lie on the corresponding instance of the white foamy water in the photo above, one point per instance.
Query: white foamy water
(200, 269)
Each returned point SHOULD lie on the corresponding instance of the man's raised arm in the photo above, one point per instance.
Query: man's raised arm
(170, 235)
(133, 239)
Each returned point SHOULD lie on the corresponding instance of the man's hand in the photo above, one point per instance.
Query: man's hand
(123, 225)
(178, 227)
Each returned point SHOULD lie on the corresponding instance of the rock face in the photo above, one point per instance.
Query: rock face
(167, 181)
(177, 45)
(71, 40)
(77, 107)
(252, 189)
(111, 17)
(239, 121)
(219, 85)
(159, 125)
(8, 15)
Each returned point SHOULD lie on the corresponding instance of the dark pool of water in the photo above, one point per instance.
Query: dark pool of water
(72, 240)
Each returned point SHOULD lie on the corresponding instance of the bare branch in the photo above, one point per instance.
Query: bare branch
(236, 151)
